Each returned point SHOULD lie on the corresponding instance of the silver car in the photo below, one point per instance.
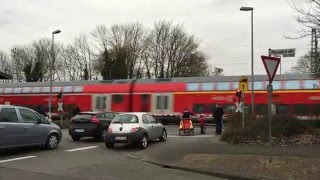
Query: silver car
(20, 126)
(136, 128)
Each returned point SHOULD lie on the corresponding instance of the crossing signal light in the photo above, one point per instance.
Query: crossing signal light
(238, 93)
(60, 94)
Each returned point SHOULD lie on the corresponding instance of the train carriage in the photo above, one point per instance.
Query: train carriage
(296, 94)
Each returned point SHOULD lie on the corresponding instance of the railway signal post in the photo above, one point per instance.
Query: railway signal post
(271, 65)
(243, 86)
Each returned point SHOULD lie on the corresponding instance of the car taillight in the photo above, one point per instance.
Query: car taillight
(95, 120)
(134, 129)
(110, 130)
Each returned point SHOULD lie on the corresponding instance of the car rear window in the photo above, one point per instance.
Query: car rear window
(84, 116)
(125, 119)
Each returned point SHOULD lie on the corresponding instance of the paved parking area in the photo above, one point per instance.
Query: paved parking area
(89, 159)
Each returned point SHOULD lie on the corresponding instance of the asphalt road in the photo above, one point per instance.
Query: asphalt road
(88, 159)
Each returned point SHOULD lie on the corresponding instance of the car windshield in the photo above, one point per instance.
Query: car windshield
(126, 118)
(83, 116)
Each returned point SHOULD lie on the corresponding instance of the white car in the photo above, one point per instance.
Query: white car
(136, 128)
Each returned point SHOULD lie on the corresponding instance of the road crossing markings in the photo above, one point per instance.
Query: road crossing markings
(17, 159)
(80, 149)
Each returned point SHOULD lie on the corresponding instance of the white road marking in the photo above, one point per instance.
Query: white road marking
(80, 149)
(196, 136)
(17, 159)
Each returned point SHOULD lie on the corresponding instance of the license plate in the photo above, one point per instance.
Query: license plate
(121, 138)
(79, 130)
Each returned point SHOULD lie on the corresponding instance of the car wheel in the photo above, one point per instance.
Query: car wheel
(163, 135)
(143, 143)
(75, 138)
(109, 144)
(52, 141)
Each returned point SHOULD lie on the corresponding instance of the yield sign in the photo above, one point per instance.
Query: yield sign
(271, 65)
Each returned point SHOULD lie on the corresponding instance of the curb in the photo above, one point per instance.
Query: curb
(209, 173)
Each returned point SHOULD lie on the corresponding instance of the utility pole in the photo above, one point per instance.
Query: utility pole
(313, 53)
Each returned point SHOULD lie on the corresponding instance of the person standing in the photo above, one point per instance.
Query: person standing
(218, 118)
(202, 122)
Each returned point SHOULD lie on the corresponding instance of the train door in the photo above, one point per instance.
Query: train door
(101, 102)
(162, 103)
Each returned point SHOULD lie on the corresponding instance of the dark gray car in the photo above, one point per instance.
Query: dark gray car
(20, 126)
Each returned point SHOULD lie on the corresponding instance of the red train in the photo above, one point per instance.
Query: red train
(297, 94)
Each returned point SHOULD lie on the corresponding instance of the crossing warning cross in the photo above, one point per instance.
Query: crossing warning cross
(60, 107)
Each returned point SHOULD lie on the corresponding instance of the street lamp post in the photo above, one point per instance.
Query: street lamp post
(252, 74)
(50, 68)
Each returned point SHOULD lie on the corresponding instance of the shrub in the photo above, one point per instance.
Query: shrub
(256, 129)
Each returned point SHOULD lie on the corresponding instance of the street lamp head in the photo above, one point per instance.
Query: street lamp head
(246, 9)
(56, 31)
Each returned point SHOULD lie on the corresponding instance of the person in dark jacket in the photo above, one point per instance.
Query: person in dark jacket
(186, 114)
(41, 110)
(76, 110)
(218, 118)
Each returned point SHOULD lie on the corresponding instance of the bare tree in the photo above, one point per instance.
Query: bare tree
(303, 65)
(217, 71)
(6, 65)
(173, 52)
(22, 57)
(307, 14)
(126, 40)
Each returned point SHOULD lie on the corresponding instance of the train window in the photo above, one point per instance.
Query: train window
(282, 108)
(35, 89)
(308, 84)
(98, 102)
(162, 102)
(223, 86)
(17, 90)
(193, 87)
(67, 89)
(235, 85)
(117, 99)
(301, 109)
(145, 98)
(78, 89)
(56, 89)
(316, 109)
(7, 90)
(46, 89)
(261, 109)
(211, 108)
(207, 86)
(292, 85)
(275, 85)
(198, 108)
(26, 90)
(101, 102)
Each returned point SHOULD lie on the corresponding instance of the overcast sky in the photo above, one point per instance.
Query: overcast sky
(223, 30)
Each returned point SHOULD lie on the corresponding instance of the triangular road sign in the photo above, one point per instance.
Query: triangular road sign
(271, 65)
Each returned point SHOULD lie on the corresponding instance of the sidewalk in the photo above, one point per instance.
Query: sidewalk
(217, 158)
(254, 166)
